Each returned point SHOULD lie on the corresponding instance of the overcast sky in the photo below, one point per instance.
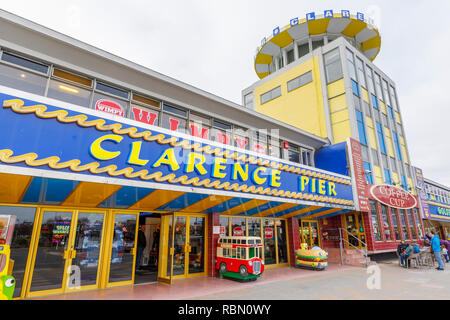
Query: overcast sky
(210, 44)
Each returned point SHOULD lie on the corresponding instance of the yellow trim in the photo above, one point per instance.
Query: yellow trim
(372, 43)
(245, 207)
(263, 59)
(353, 28)
(206, 203)
(276, 209)
(299, 212)
(324, 213)
(156, 199)
(90, 194)
(13, 187)
(282, 39)
(318, 26)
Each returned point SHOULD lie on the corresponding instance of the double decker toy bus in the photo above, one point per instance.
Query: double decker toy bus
(240, 257)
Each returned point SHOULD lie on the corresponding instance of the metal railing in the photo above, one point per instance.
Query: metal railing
(342, 239)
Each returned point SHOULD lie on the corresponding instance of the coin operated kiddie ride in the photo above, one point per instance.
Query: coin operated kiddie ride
(7, 281)
(240, 257)
(313, 259)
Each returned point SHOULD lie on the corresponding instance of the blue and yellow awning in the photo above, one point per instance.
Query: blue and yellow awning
(20, 189)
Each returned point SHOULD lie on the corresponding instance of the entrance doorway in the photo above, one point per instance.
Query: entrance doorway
(183, 246)
(309, 233)
(354, 224)
(147, 268)
(69, 248)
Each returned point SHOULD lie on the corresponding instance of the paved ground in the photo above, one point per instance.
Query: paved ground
(292, 284)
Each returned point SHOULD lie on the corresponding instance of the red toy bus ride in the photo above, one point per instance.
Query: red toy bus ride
(240, 257)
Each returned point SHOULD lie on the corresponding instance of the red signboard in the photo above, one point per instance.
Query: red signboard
(238, 232)
(268, 233)
(393, 196)
(109, 107)
(358, 175)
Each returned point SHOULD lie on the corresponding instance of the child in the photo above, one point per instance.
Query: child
(445, 253)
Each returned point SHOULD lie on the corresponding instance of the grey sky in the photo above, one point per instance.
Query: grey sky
(210, 44)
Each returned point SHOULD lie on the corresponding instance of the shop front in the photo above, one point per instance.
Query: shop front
(82, 183)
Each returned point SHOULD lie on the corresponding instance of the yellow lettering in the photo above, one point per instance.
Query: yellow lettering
(332, 189)
(101, 154)
(168, 157)
(322, 187)
(198, 166)
(238, 170)
(218, 166)
(256, 178)
(134, 154)
(304, 182)
(275, 178)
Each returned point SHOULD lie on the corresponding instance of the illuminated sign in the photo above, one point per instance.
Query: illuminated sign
(393, 196)
(80, 141)
(109, 107)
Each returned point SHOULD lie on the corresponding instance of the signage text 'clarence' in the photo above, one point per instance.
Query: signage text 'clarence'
(215, 167)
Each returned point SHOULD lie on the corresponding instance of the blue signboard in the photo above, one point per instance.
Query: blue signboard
(443, 212)
(66, 139)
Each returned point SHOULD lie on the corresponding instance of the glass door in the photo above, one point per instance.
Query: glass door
(354, 224)
(122, 253)
(182, 247)
(309, 233)
(51, 254)
(67, 256)
(86, 251)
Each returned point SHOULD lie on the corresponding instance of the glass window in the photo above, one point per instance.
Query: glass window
(146, 101)
(270, 95)
(333, 66)
(361, 128)
(395, 224)
(199, 126)
(282, 241)
(114, 91)
(238, 227)
(290, 56)
(22, 80)
(174, 110)
(404, 225)
(269, 242)
(69, 93)
(11, 58)
(300, 81)
(221, 136)
(254, 227)
(241, 139)
(259, 141)
(355, 88)
(109, 104)
(375, 225)
(375, 157)
(67, 76)
(419, 224)
(381, 138)
(391, 112)
(317, 43)
(361, 77)
(368, 172)
(387, 176)
(370, 80)
(294, 153)
(248, 100)
(393, 99)
(365, 153)
(374, 101)
(144, 115)
(386, 224)
(385, 91)
(351, 65)
(357, 102)
(173, 123)
(303, 49)
(411, 224)
(378, 86)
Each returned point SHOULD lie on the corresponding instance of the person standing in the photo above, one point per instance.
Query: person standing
(141, 244)
(400, 250)
(445, 253)
(436, 247)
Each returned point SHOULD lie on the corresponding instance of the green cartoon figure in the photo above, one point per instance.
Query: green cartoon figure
(7, 286)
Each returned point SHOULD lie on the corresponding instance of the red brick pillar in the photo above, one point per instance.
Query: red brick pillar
(294, 238)
(213, 220)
